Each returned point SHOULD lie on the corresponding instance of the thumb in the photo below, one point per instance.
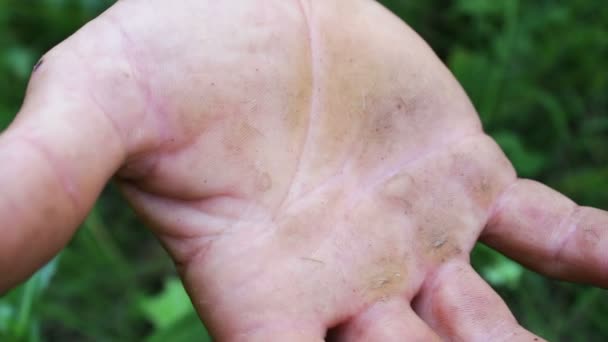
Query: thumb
(55, 159)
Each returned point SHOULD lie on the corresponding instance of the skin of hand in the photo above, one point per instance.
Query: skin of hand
(307, 164)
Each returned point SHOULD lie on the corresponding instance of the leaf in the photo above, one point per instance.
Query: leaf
(551, 108)
(20, 60)
(32, 291)
(5, 118)
(168, 307)
(505, 273)
(173, 316)
(528, 163)
(478, 7)
(586, 185)
(187, 329)
(497, 269)
(18, 316)
(6, 314)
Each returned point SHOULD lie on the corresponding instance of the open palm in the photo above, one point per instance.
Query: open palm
(308, 165)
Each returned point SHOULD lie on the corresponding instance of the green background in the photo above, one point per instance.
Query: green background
(536, 71)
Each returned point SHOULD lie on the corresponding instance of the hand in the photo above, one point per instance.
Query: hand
(308, 165)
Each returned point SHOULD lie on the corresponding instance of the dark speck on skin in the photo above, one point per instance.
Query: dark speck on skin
(38, 64)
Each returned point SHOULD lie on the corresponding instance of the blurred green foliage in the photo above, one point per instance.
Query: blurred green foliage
(536, 72)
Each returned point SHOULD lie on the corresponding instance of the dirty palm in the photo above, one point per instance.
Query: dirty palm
(311, 165)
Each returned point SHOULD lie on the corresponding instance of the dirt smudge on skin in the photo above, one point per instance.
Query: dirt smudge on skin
(592, 227)
(439, 243)
(474, 178)
(313, 260)
(297, 115)
(397, 191)
(242, 137)
(592, 236)
(263, 182)
(299, 228)
(438, 237)
(384, 284)
(483, 171)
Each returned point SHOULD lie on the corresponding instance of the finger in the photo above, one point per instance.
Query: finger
(460, 306)
(549, 233)
(55, 159)
(390, 320)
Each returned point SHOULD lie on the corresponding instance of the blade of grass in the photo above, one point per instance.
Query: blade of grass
(32, 290)
(96, 226)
